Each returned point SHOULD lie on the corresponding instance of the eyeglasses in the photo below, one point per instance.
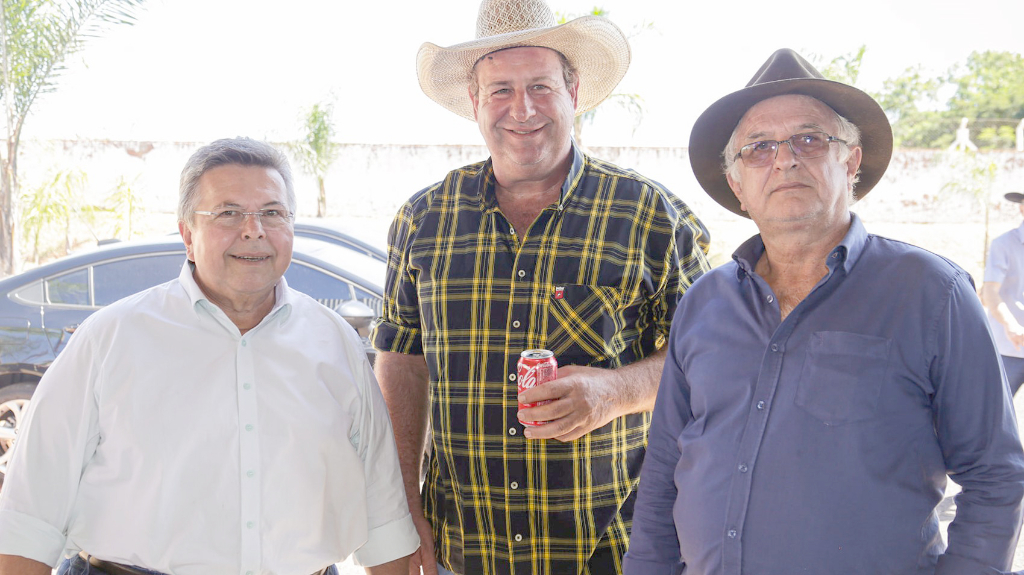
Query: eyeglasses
(233, 219)
(806, 146)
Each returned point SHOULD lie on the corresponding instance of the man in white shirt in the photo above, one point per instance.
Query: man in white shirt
(219, 423)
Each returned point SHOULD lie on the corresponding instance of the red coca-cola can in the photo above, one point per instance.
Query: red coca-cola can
(536, 366)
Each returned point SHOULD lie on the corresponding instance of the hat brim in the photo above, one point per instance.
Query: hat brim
(714, 127)
(1014, 197)
(595, 46)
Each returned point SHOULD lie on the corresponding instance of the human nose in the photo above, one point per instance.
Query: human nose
(522, 108)
(782, 160)
(252, 224)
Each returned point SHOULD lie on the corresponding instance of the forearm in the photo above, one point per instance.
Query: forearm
(396, 567)
(404, 382)
(992, 301)
(16, 565)
(638, 383)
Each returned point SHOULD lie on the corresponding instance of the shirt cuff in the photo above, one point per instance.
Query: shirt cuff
(389, 336)
(388, 542)
(632, 566)
(28, 537)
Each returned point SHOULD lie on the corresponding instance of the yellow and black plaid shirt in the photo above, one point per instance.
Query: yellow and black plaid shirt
(596, 280)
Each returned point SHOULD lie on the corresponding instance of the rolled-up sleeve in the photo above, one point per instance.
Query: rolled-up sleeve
(391, 533)
(398, 329)
(977, 432)
(654, 545)
(56, 441)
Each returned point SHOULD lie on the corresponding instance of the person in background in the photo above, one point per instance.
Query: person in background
(1002, 293)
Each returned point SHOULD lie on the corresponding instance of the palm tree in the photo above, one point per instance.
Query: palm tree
(315, 151)
(36, 37)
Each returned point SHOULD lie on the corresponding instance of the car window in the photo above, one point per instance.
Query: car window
(121, 278)
(71, 288)
(325, 288)
(371, 299)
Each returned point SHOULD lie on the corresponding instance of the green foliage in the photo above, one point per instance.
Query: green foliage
(315, 151)
(988, 90)
(844, 68)
(126, 206)
(36, 37)
(52, 203)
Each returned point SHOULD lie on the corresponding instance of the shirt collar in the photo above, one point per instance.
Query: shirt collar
(283, 297)
(1019, 233)
(486, 182)
(845, 254)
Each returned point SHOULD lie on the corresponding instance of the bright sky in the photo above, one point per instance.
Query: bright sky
(197, 70)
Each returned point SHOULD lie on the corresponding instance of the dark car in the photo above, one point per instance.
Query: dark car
(41, 308)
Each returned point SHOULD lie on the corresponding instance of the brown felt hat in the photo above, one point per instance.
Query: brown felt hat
(786, 72)
(595, 46)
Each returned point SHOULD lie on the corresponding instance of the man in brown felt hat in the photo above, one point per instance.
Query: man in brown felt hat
(820, 388)
(1002, 292)
(540, 246)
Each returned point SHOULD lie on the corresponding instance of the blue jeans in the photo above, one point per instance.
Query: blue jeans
(78, 566)
(442, 571)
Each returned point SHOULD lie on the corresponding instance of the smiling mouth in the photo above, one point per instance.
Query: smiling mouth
(251, 258)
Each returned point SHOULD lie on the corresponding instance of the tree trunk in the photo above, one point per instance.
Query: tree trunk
(321, 201)
(8, 188)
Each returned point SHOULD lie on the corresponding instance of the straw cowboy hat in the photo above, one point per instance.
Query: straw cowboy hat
(786, 72)
(592, 44)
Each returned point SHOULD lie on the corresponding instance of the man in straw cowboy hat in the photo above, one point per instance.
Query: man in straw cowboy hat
(820, 387)
(1002, 293)
(540, 246)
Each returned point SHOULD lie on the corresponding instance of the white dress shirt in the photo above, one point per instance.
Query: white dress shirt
(162, 437)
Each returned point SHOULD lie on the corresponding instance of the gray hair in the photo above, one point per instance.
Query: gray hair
(226, 152)
(569, 74)
(845, 130)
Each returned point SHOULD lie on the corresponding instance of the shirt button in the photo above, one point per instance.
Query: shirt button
(732, 534)
(518, 537)
(771, 298)
(248, 427)
(250, 473)
(249, 573)
(522, 273)
(743, 468)
(760, 406)
(246, 386)
(244, 343)
(514, 485)
(511, 230)
(835, 255)
(511, 377)
(511, 431)
(775, 347)
(515, 323)
(250, 525)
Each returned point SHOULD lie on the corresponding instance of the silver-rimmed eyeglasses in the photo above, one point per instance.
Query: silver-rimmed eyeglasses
(807, 145)
(233, 219)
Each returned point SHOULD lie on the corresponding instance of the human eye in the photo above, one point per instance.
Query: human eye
(228, 214)
(763, 146)
(272, 213)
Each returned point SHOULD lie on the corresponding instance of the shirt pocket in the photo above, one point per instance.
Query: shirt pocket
(843, 376)
(582, 323)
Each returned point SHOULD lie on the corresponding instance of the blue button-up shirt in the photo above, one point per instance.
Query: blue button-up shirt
(820, 443)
